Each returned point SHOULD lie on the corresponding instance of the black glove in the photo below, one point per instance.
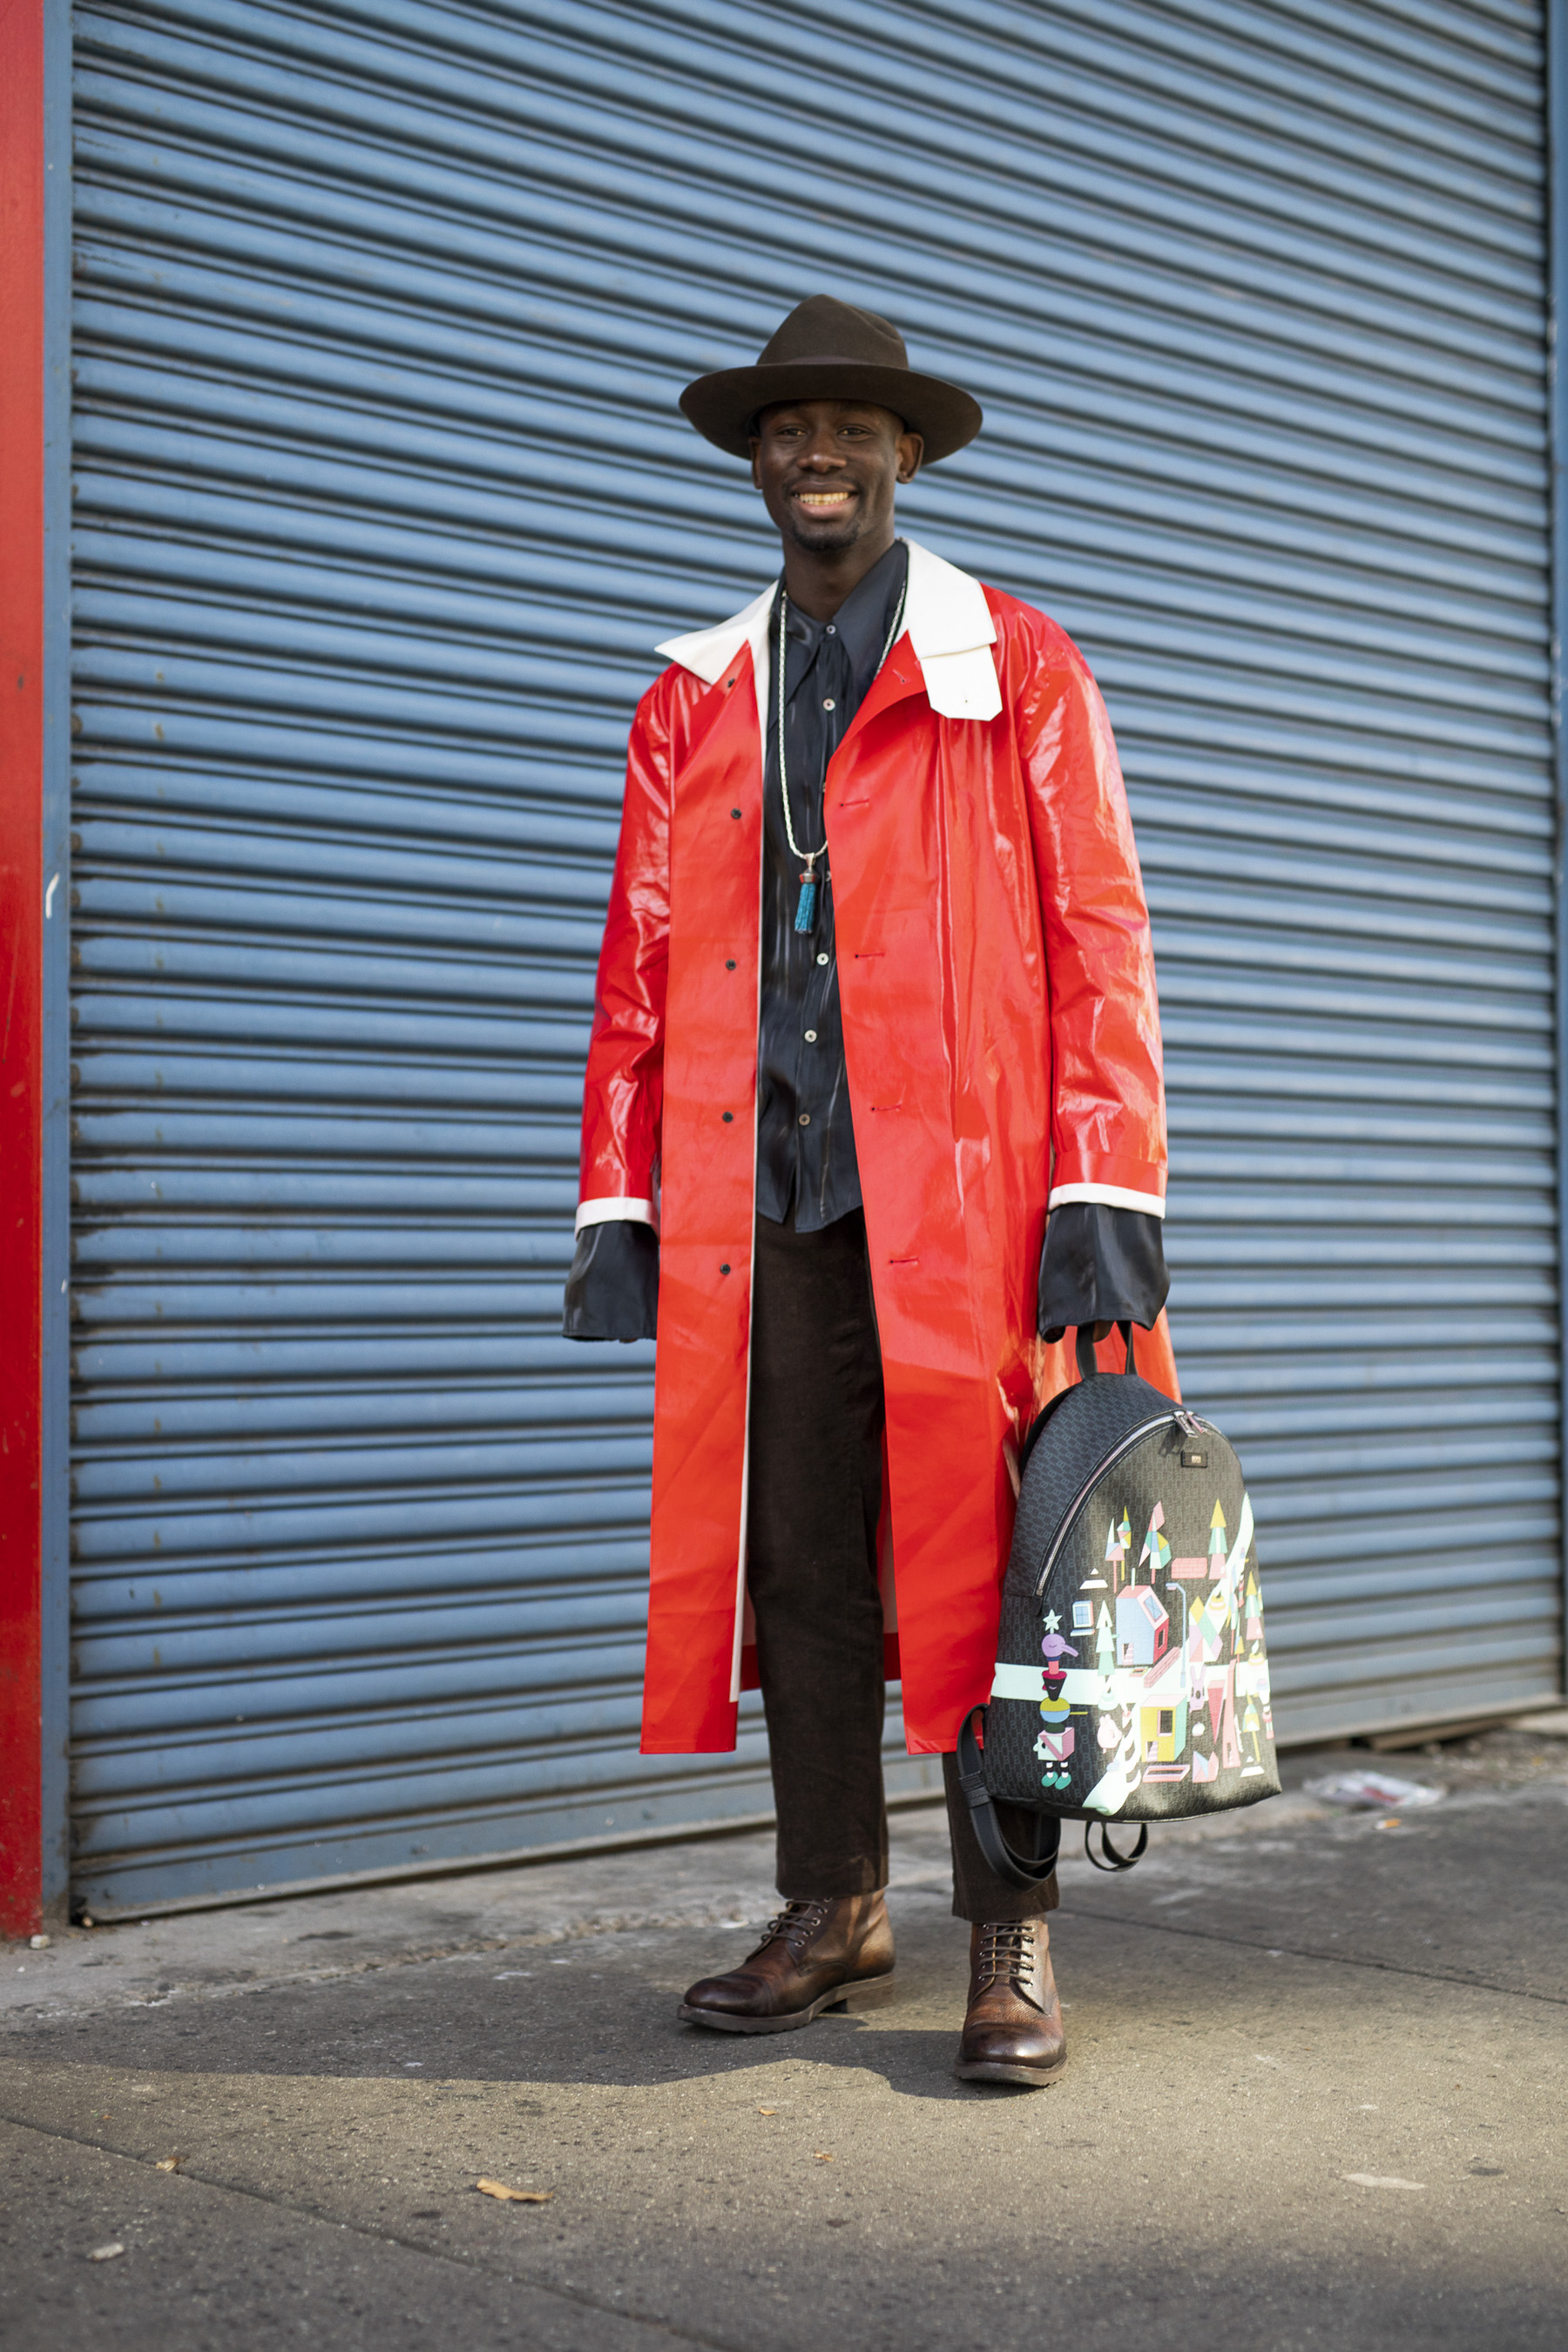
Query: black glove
(612, 1291)
(1101, 1265)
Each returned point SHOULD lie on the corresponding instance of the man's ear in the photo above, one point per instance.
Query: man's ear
(912, 449)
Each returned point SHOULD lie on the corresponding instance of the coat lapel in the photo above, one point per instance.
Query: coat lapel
(715, 653)
(949, 625)
(944, 649)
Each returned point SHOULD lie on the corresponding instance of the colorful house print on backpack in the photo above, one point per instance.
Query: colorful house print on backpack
(1159, 1703)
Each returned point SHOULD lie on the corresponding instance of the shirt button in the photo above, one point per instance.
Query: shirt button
(822, 959)
(828, 703)
(833, 628)
(811, 1036)
(805, 1118)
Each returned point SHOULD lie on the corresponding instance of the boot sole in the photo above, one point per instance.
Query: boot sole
(870, 1992)
(995, 2070)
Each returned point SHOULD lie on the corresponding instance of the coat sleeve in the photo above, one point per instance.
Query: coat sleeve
(622, 1099)
(1108, 1124)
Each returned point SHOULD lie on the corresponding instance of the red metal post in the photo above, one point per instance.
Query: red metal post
(21, 957)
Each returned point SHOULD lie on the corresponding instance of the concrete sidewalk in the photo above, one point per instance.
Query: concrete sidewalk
(1315, 2099)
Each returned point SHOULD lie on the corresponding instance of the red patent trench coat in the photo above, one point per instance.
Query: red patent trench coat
(1002, 1042)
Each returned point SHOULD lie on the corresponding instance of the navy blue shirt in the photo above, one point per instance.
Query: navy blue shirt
(805, 1134)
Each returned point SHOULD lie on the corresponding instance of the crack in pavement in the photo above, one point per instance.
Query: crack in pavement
(1310, 1952)
(102, 2001)
(574, 2296)
(342, 1972)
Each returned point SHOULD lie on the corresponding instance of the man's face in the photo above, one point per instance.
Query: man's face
(828, 470)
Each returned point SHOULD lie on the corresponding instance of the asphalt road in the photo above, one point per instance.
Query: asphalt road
(1315, 2098)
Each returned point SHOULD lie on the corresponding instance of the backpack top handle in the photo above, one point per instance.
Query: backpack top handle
(1087, 1367)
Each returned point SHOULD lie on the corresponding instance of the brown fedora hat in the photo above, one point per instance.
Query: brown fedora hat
(827, 350)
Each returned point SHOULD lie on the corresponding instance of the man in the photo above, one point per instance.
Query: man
(876, 993)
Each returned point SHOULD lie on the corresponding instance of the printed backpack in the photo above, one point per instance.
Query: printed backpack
(1131, 1680)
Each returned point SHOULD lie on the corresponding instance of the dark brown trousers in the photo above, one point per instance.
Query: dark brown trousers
(816, 1497)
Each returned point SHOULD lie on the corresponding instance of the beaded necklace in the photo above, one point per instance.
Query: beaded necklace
(805, 905)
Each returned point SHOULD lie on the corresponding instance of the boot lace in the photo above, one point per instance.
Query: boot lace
(1007, 1950)
(795, 1925)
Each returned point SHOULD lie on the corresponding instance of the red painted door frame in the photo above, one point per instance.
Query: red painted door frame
(22, 340)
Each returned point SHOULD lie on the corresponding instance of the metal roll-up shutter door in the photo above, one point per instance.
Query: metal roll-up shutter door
(381, 502)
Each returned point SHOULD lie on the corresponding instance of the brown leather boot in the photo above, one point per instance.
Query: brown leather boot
(1012, 2032)
(835, 1954)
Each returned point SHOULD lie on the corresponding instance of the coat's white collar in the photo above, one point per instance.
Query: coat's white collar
(708, 653)
(946, 617)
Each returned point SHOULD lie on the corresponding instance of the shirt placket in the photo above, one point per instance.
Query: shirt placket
(828, 686)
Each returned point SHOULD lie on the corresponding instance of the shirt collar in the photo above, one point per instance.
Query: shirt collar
(861, 623)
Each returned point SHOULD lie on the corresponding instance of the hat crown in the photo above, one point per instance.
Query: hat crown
(823, 327)
(829, 349)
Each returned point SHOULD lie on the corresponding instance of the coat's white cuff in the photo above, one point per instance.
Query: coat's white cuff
(617, 1210)
(1112, 1196)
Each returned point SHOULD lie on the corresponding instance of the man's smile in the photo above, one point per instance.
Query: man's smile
(827, 470)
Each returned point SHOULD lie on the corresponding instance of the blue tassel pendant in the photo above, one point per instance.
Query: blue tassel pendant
(805, 905)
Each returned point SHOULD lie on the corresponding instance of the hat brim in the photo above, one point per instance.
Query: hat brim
(722, 406)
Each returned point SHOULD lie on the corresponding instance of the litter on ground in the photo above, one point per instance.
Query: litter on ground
(1372, 1792)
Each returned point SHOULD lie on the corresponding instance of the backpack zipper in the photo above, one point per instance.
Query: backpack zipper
(1164, 1421)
